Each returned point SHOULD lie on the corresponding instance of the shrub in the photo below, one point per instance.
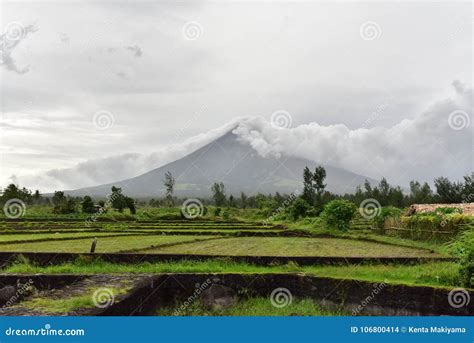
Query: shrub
(88, 205)
(463, 247)
(298, 208)
(339, 213)
(386, 212)
(217, 212)
(448, 210)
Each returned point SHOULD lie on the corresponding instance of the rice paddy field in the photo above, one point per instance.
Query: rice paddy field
(221, 242)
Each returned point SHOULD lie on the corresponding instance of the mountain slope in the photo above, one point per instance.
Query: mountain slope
(236, 164)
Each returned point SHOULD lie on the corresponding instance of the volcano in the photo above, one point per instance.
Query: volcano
(234, 163)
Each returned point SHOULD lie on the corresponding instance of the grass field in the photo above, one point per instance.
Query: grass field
(294, 246)
(189, 237)
(105, 244)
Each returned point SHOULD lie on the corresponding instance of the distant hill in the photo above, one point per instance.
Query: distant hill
(236, 164)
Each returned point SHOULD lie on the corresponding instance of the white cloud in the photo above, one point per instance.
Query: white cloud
(306, 58)
(423, 147)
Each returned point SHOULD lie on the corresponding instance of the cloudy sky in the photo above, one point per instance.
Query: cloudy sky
(99, 91)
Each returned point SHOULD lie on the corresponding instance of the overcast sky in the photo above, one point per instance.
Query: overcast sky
(371, 86)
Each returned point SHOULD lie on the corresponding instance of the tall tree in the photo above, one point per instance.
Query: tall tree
(169, 183)
(318, 177)
(308, 190)
(243, 200)
(218, 193)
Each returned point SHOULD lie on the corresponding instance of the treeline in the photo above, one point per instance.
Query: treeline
(62, 204)
(311, 201)
(445, 192)
(314, 194)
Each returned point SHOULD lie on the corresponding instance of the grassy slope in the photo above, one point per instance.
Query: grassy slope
(429, 274)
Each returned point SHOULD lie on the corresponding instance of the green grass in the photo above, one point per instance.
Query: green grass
(294, 246)
(104, 245)
(438, 274)
(65, 305)
(52, 236)
(143, 213)
(253, 307)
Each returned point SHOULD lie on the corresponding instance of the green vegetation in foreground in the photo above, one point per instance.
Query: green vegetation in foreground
(254, 307)
(104, 245)
(52, 236)
(65, 305)
(291, 246)
(438, 274)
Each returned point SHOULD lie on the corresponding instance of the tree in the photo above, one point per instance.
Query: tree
(447, 191)
(58, 198)
(218, 193)
(14, 192)
(232, 201)
(468, 188)
(313, 185)
(131, 205)
(169, 183)
(88, 205)
(368, 188)
(339, 213)
(37, 199)
(63, 205)
(420, 194)
(318, 178)
(308, 190)
(118, 199)
(243, 200)
(384, 191)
